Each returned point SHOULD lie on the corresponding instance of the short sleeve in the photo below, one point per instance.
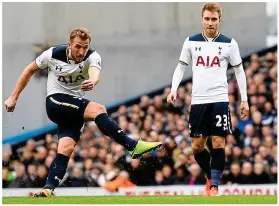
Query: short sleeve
(95, 60)
(43, 60)
(185, 56)
(235, 58)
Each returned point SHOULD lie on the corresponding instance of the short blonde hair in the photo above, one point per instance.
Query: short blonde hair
(212, 7)
(80, 32)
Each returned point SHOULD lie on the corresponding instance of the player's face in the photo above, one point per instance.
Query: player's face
(78, 49)
(210, 21)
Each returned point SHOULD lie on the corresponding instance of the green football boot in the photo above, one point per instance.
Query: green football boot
(143, 147)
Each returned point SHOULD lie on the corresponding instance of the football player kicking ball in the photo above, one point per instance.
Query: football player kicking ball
(209, 53)
(73, 69)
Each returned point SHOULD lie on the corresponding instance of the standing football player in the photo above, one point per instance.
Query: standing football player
(209, 53)
(73, 69)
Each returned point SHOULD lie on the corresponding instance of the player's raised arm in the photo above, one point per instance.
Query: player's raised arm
(184, 61)
(236, 62)
(94, 72)
(94, 77)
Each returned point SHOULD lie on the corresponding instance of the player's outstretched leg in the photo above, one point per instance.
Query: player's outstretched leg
(202, 157)
(109, 128)
(217, 163)
(58, 166)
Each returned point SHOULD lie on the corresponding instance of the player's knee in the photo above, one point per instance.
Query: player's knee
(93, 110)
(101, 109)
(66, 148)
(197, 148)
(218, 142)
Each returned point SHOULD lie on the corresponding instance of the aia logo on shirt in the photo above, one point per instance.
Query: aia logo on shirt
(208, 61)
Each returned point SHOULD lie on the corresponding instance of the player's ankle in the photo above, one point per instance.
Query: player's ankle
(48, 187)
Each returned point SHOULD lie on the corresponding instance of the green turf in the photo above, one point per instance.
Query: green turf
(144, 200)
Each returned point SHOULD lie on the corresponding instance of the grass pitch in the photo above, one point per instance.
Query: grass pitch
(259, 199)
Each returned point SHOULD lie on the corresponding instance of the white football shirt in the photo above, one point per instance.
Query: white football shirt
(65, 76)
(210, 60)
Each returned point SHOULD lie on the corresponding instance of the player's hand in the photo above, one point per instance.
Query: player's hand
(172, 97)
(244, 110)
(10, 104)
(87, 85)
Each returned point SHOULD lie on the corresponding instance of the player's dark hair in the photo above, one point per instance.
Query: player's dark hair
(212, 7)
(80, 32)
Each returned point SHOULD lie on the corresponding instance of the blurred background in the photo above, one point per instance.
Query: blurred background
(140, 44)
